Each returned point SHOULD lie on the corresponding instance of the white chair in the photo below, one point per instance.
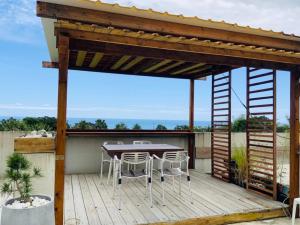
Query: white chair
(171, 165)
(144, 163)
(106, 158)
(142, 142)
(296, 202)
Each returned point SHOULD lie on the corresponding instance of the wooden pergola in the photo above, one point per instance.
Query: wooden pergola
(99, 37)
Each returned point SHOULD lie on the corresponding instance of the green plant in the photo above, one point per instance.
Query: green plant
(161, 127)
(100, 124)
(121, 126)
(19, 177)
(136, 127)
(84, 125)
(182, 127)
(240, 158)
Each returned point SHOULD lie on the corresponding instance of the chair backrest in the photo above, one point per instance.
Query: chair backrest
(176, 157)
(113, 143)
(135, 158)
(142, 142)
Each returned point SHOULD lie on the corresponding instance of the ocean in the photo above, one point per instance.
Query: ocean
(144, 123)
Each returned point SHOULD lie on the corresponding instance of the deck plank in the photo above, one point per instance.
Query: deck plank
(80, 210)
(108, 201)
(91, 202)
(69, 210)
(92, 214)
(103, 214)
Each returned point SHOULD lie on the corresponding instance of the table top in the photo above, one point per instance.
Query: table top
(141, 147)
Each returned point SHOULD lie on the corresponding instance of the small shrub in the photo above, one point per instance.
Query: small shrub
(121, 126)
(240, 158)
(161, 127)
(18, 176)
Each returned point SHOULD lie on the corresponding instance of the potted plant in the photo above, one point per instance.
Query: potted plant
(24, 208)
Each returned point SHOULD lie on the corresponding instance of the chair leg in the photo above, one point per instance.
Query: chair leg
(146, 193)
(101, 168)
(120, 195)
(150, 191)
(294, 212)
(163, 189)
(180, 185)
(190, 191)
(115, 174)
(109, 170)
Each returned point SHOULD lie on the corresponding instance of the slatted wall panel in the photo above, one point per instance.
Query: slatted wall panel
(221, 126)
(261, 131)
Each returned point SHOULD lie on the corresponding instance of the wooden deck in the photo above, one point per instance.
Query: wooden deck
(89, 202)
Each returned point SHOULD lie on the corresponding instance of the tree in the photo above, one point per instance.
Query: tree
(84, 125)
(136, 127)
(182, 127)
(19, 177)
(239, 124)
(161, 127)
(11, 124)
(121, 126)
(100, 124)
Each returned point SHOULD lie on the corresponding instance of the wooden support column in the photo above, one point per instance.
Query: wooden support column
(191, 117)
(63, 51)
(191, 144)
(294, 135)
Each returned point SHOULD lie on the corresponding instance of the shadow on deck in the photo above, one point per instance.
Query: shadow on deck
(89, 202)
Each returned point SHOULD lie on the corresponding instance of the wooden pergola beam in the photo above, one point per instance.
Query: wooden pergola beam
(294, 134)
(63, 49)
(56, 11)
(112, 44)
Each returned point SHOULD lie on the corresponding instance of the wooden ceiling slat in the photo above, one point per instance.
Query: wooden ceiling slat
(80, 57)
(199, 70)
(170, 67)
(188, 68)
(96, 59)
(120, 62)
(132, 63)
(156, 66)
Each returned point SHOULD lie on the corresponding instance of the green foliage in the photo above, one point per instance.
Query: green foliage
(18, 177)
(84, 125)
(11, 124)
(202, 129)
(182, 127)
(100, 124)
(136, 127)
(239, 124)
(121, 126)
(160, 127)
(240, 158)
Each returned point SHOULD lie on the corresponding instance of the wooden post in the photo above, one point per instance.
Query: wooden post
(294, 135)
(191, 117)
(191, 139)
(63, 51)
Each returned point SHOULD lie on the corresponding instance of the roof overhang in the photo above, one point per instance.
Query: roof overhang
(110, 24)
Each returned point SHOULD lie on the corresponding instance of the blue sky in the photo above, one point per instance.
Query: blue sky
(29, 90)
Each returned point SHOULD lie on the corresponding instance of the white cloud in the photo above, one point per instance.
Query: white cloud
(18, 22)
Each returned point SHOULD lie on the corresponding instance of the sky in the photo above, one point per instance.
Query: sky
(27, 89)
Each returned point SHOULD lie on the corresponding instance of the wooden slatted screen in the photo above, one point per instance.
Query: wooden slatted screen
(221, 126)
(261, 131)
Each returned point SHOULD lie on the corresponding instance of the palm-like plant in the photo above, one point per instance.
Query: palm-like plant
(18, 177)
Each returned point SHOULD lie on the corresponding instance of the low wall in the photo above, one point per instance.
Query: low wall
(203, 144)
(83, 152)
